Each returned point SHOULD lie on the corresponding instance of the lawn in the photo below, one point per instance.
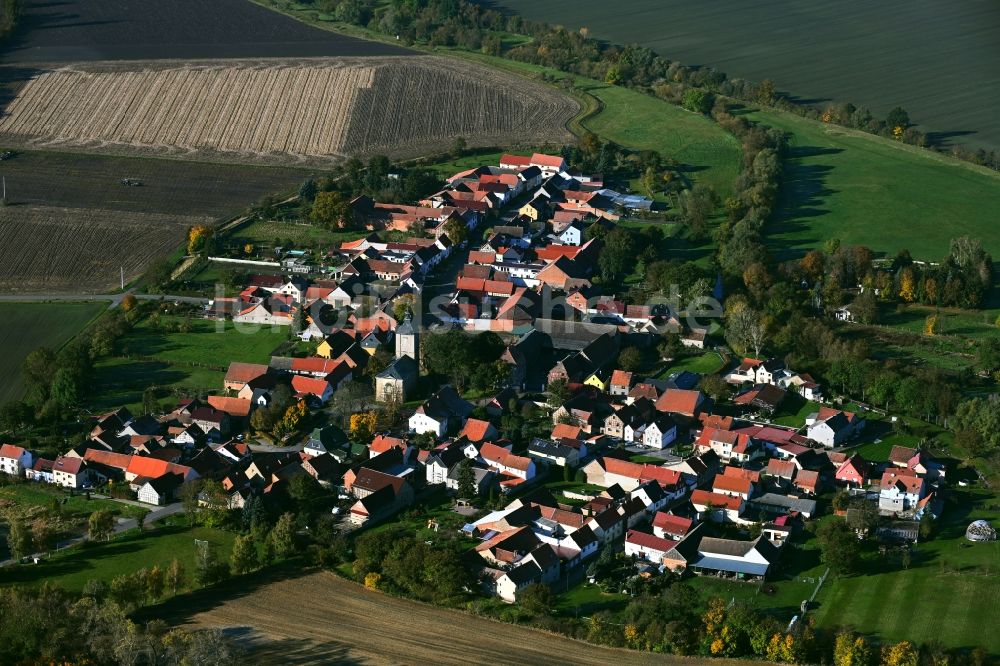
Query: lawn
(584, 599)
(192, 362)
(73, 567)
(865, 190)
(28, 326)
(794, 410)
(949, 590)
(704, 364)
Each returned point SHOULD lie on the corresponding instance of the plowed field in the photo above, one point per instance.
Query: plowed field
(321, 619)
(280, 110)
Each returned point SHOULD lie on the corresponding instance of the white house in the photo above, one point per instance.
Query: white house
(160, 491)
(832, 427)
(41, 471)
(646, 546)
(70, 472)
(660, 433)
(573, 234)
(14, 460)
(505, 462)
(899, 491)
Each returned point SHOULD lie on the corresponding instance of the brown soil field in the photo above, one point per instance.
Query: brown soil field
(273, 111)
(46, 249)
(321, 618)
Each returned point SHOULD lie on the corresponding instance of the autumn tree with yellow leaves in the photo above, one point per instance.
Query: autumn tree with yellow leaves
(363, 425)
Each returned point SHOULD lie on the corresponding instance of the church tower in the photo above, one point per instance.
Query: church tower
(408, 339)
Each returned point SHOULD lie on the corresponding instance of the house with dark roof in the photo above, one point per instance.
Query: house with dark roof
(728, 558)
(160, 491)
(439, 412)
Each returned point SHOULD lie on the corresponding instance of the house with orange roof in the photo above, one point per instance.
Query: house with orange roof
(318, 388)
(240, 374)
(807, 481)
(683, 402)
(732, 486)
(669, 526)
(477, 430)
(621, 382)
(506, 463)
(14, 460)
(717, 507)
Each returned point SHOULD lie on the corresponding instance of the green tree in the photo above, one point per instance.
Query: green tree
(101, 525)
(330, 210)
(699, 101)
(898, 117)
(19, 539)
(839, 547)
(466, 480)
(618, 254)
(244, 557)
(456, 229)
(282, 537)
(630, 359)
(537, 599)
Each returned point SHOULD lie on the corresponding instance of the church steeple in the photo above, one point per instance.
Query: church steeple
(407, 338)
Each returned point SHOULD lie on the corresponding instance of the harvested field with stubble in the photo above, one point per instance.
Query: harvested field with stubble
(46, 249)
(343, 622)
(280, 110)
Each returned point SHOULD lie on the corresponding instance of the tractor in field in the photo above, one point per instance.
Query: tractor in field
(131, 182)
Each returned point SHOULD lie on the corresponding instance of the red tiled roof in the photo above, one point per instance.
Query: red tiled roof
(154, 468)
(67, 464)
(231, 406)
(706, 498)
(566, 430)
(11, 451)
(649, 541)
(672, 524)
(739, 473)
(541, 159)
(117, 460)
(621, 378)
(309, 385)
(244, 372)
(314, 364)
(725, 483)
(475, 430)
(679, 401)
(383, 443)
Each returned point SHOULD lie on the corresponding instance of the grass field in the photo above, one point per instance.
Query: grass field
(25, 327)
(73, 567)
(193, 362)
(877, 55)
(704, 364)
(870, 191)
(949, 591)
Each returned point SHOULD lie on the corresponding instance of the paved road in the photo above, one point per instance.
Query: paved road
(115, 299)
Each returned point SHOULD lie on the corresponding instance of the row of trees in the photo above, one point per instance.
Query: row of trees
(49, 625)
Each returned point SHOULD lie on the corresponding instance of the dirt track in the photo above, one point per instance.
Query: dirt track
(320, 618)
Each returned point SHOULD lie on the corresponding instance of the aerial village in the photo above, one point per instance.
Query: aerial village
(649, 467)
